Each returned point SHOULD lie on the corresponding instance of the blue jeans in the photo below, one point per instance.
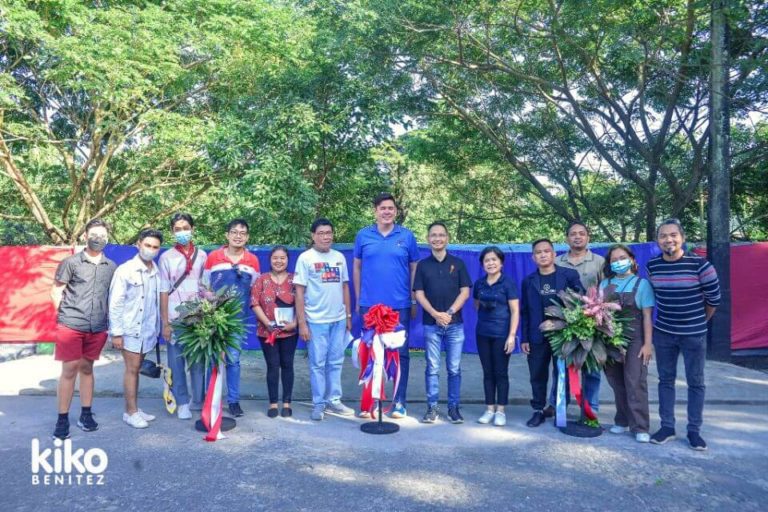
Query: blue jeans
(434, 336)
(326, 357)
(590, 383)
(233, 373)
(178, 365)
(694, 349)
(405, 355)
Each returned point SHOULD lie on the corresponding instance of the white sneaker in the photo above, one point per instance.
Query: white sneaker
(618, 429)
(145, 416)
(642, 437)
(486, 418)
(184, 413)
(135, 420)
(499, 419)
(339, 408)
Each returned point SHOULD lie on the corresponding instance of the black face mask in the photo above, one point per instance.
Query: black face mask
(97, 244)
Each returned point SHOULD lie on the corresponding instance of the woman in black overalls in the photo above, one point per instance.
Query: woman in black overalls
(629, 378)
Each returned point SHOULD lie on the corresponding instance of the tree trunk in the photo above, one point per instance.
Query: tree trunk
(718, 225)
(650, 217)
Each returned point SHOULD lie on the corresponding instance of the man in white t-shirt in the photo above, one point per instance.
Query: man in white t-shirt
(180, 271)
(324, 316)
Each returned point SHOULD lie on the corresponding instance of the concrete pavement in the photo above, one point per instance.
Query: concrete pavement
(297, 464)
(37, 375)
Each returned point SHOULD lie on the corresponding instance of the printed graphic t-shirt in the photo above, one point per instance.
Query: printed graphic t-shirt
(323, 274)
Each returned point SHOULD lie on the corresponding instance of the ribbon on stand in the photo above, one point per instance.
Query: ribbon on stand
(211, 414)
(574, 378)
(561, 419)
(378, 355)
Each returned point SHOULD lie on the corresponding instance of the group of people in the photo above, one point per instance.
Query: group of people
(137, 301)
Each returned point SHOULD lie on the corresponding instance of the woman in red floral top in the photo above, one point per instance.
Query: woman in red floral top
(273, 290)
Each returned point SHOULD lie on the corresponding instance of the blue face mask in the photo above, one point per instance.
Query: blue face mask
(183, 237)
(621, 266)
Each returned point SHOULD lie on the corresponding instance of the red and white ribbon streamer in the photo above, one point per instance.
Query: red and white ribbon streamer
(574, 379)
(211, 414)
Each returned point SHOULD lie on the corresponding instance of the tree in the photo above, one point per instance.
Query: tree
(103, 108)
(558, 88)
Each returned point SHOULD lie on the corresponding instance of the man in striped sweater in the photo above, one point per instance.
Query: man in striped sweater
(687, 292)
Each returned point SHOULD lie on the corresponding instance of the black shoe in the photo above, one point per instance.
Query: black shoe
(431, 415)
(287, 412)
(696, 442)
(549, 412)
(663, 435)
(235, 410)
(272, 412)
(455, 415)
(62, 430)
(86, 423)
(536, 420)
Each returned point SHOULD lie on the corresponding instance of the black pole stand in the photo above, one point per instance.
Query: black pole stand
(227, 424)
(579, 428)
(380, 426)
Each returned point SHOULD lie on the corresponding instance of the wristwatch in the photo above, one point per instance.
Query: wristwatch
(451, 311)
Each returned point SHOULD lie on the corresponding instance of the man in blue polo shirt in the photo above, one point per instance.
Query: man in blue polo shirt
(385, 259)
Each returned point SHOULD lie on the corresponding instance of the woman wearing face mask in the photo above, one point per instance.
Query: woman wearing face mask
(272, 299)
(496, 300)
(629, 379)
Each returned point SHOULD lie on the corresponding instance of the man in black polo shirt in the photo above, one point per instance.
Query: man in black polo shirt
(441, 286)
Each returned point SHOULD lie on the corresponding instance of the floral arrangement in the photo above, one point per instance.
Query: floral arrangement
(207, 326)
(585, 330)
(210, 324)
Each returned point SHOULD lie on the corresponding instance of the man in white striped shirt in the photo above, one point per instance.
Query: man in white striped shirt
(180, 271)
(687, 292)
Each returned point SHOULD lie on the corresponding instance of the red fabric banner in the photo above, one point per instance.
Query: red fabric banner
(27, 314)
(749, 295)
(26, 278)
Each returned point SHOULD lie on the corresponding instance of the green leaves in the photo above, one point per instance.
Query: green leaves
(577, 338)
(209, 326)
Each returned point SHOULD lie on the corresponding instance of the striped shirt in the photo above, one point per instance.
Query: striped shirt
(220, 272)
(682, 288)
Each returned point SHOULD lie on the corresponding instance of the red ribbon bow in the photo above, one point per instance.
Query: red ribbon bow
(381, 319)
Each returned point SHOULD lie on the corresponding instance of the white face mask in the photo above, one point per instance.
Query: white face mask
(147, 254)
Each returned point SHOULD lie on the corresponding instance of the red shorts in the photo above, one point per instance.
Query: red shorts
(72, 345)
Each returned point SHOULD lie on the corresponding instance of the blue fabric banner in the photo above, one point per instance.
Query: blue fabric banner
(517, 264)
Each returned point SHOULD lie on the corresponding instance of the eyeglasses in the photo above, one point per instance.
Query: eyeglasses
(438, 235)
(236, 234)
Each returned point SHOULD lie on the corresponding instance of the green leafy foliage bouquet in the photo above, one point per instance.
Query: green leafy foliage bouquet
(585, 330)
(210, 324)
